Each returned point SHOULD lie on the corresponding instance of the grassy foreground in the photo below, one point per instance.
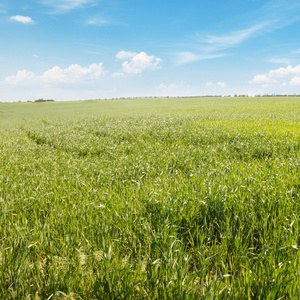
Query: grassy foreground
(150, 199)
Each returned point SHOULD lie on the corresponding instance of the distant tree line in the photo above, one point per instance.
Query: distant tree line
(277, 95)
(43, 100)
(166, 97)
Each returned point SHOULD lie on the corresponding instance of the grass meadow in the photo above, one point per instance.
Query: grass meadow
(192, 198)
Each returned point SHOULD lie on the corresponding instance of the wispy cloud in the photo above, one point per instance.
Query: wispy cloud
(98, 22)
(213, 46)
(186, 57)
(270, 17)
(281, 13)
(22, 19)
(102, 21)
(62, 6)
(275, 60)
(296, 51)
(232, 39)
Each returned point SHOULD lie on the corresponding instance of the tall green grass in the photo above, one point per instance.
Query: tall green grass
(150, 199)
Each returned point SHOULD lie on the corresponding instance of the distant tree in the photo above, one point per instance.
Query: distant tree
(43, 100)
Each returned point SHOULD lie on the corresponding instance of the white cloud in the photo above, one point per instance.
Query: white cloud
(72, 74)
(262, 79)
(274, 76)
(217, 84)
(21, 77)
(283, 72)
(22, 19)
(136, 63)
(221, 84)
(295, 81)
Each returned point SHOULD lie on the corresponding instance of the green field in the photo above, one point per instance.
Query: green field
(150, 199)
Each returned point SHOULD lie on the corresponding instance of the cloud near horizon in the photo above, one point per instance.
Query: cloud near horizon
(279, 77)
(72, 74)
(134, 64)
(218, 84)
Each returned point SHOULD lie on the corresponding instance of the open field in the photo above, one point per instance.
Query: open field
(150, 199)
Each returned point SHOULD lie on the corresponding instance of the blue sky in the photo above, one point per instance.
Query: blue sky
(91, 49)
